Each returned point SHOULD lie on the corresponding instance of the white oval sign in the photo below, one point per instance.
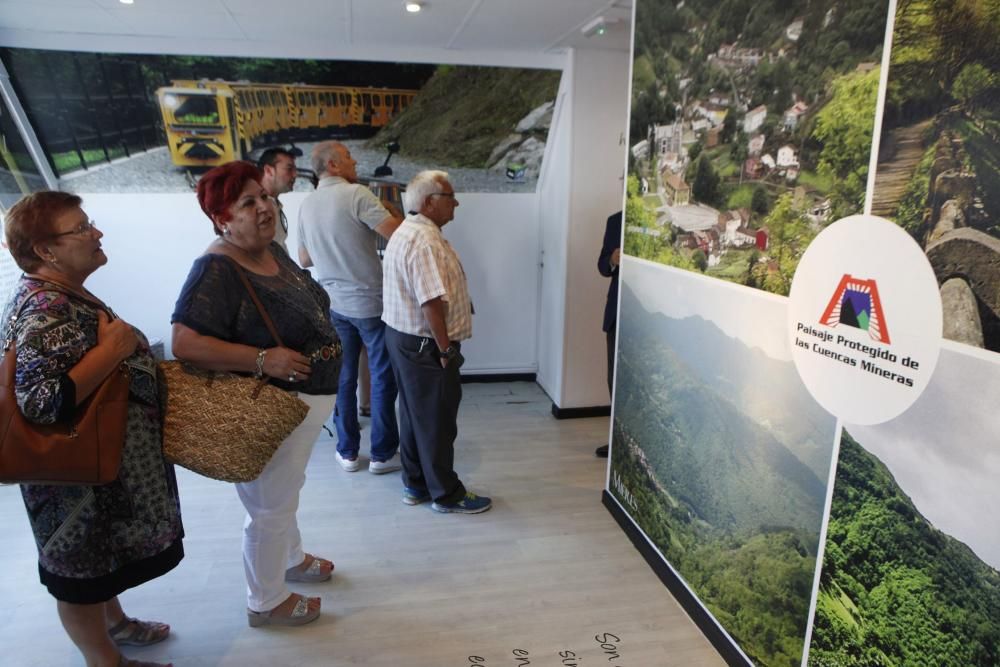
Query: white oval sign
(865, 319)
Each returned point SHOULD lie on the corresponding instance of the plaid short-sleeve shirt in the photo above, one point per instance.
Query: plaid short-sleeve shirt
(420, 265)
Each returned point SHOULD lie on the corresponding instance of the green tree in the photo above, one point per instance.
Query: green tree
(705, 185)
(637, 213)
(695, 150)
(844, 126)
(789, 234)
(759, 203)
(972, 84)
(700, 259)
(729, 127)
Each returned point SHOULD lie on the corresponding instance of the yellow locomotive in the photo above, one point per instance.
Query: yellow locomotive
(209, 123)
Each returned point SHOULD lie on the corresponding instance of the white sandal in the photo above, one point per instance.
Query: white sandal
(300, 615)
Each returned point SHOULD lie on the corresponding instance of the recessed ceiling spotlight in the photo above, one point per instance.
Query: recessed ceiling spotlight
(414, 7)
(127, 2)
(597, 26)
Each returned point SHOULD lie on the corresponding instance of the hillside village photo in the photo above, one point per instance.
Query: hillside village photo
(751, 130)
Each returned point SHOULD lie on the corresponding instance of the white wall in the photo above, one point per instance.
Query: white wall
(152, 239)
(582, 185)
(553, 217)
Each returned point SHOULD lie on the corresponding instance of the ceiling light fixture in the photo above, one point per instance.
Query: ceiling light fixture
(127, 2)
(414, 7)
(597, 26)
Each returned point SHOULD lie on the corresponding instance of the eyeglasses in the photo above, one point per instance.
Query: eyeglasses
(84, 228)
(443, 194)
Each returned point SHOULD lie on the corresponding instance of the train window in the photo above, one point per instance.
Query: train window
(302, 99)
(395, 100)
(377, 99)
(313, 97)
(344, 100)
(197, 109)
(367, 100)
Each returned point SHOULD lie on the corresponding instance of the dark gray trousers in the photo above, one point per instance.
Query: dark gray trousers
(428, 415)
(611, 357)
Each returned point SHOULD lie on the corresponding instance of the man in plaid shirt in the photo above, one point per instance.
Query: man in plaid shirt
(427, 312)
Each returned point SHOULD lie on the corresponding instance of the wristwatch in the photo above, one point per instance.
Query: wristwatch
(448, 353)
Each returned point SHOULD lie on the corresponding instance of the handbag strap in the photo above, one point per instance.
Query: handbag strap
(256, 300)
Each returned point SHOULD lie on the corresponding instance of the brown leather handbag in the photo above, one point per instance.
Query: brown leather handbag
(88, 450)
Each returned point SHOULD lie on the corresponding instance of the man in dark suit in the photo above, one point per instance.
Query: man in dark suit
(607, 264)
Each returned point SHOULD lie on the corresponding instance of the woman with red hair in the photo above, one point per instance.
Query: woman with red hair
(217, 326)
(94, 542)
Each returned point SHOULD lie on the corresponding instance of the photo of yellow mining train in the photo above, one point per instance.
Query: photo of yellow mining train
(209, 123)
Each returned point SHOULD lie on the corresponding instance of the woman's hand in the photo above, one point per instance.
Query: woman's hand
(117, 335)
(283, 363)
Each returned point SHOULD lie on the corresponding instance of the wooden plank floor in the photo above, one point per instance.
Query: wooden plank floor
(544, 572)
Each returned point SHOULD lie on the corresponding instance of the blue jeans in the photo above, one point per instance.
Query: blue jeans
(370, 332)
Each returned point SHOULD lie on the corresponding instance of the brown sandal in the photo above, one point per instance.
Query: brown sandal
(133, 632)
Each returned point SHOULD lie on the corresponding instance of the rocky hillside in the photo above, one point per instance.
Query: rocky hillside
(468, 116)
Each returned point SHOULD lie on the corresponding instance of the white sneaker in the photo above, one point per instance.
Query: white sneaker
(382, 467)
(350, 465)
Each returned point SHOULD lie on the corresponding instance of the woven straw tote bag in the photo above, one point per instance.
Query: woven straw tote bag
(223, 425)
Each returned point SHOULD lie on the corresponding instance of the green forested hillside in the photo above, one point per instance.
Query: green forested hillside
(462, 113)
(768, 391)
(757, 585)
(669, 40)
(895, 591)
(731, 507)
(728, 470)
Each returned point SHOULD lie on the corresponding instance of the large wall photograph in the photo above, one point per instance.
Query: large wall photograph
(938, 173)
(719, 453)
(911, 569)
(152, 123)
(750, 130)
(751, 134)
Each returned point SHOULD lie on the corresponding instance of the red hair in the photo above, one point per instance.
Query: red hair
(32, 220)
(219, 188)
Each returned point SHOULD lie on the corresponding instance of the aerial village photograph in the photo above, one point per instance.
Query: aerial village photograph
(751, 130)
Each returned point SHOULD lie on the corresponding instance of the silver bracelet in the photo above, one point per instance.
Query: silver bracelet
(260, 363)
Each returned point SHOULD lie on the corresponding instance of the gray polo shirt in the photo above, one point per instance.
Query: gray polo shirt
(336, 226)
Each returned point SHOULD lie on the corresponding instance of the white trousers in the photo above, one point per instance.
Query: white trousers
(271, 539)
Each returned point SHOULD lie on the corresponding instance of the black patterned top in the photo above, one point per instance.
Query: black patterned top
(214, 302)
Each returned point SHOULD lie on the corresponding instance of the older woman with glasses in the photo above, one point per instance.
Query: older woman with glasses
(93, 541)
(218, 327)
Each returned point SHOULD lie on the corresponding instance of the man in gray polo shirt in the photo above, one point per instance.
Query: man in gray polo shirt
(337, 229)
